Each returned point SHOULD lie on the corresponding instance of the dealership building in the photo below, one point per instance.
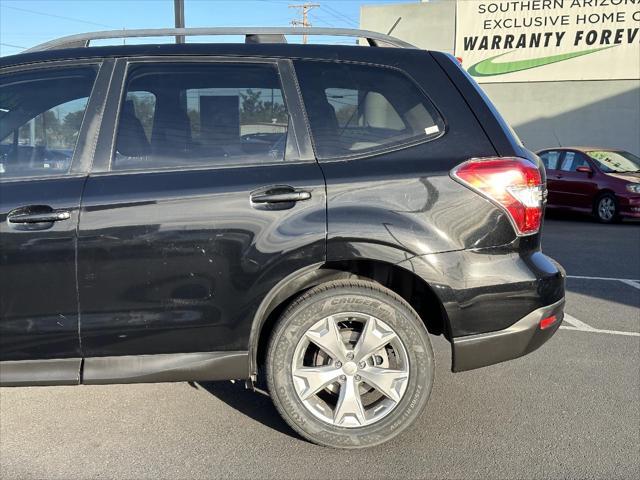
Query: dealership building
(562, 72)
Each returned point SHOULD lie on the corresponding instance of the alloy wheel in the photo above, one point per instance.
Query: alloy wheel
(350, 370)
(606, 208)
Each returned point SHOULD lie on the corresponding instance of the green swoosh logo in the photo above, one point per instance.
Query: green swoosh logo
(488, 67)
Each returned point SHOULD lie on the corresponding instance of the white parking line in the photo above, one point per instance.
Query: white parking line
(633, 283)
(627, 281)
(580, 326)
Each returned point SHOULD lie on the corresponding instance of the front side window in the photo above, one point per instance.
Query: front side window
(358, 109)
(190, 114)
(572, 161)
(41, 113)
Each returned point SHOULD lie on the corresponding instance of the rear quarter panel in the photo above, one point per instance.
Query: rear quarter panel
(406, 199)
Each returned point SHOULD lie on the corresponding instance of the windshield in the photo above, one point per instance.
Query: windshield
(619, 162)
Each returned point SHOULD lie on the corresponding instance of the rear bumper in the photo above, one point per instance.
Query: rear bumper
(524, 336)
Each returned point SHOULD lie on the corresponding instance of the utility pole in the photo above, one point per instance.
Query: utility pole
(304, 10)
(178, 9)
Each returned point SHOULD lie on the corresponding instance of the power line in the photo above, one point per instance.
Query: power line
(341, 16)
(13, 46)
(321, 20)
(339, 13)
(35, 12)
(349, 23)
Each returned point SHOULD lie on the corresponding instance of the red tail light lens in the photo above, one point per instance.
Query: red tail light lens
(512, 183)
(547, 322)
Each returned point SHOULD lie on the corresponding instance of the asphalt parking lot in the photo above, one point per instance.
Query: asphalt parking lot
(570, 409)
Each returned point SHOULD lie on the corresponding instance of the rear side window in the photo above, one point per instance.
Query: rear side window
(362, 109)
(41, 113)
(191, 114)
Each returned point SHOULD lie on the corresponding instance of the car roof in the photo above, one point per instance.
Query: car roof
(267, 50)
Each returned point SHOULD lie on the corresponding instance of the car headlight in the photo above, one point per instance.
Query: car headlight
(633, 187)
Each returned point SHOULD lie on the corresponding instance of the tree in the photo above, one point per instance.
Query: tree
(256, 110)
(70, 127)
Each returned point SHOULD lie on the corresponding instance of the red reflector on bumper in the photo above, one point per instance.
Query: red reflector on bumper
(547, 322)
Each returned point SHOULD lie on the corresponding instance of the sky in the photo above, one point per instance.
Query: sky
(25, 23)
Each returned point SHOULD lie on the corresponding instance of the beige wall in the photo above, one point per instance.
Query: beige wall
(438, 31)
(598, 113)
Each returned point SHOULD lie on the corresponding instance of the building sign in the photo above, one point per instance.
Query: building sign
(548, 40)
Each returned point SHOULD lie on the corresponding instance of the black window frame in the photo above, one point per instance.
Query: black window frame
(436, 113)
(82, 157)
(105, 150)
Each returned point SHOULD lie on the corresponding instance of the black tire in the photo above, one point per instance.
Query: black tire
(335, 298)
(606, 209)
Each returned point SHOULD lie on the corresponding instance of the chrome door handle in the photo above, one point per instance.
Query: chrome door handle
(54, 216)
(280, 197)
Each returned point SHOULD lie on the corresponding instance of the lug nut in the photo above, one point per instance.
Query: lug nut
(358, 378)
(362, 364)
(350, 356)
(338, 364)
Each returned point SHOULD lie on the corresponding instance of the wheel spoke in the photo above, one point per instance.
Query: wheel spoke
(310, 380)
(349, 409)
(386, 381)
(327, 337)
(373, 337)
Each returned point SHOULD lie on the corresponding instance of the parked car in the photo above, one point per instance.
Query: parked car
(600, 181)
(381, 199)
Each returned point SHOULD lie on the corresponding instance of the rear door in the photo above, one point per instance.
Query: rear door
(551, 160)
(47, 118)
(204, 202)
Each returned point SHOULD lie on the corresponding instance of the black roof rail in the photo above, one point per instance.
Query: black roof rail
(252, 35)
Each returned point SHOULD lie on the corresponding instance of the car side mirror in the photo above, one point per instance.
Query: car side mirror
(584, 170)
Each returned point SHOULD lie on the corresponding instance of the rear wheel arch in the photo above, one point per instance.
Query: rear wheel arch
(412, 288)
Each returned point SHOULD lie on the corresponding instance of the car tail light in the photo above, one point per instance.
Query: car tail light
(512, 183)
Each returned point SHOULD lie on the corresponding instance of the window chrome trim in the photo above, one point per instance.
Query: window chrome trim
(43, 64)
(61, 176)
(196, 168)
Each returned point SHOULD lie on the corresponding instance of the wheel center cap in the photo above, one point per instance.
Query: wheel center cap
(350, 368)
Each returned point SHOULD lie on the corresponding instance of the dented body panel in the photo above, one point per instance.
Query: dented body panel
(179, 261)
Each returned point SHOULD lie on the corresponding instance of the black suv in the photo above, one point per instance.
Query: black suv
(299, 215)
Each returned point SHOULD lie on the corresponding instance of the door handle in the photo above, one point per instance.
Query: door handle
(285, 197)
(54, 216)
